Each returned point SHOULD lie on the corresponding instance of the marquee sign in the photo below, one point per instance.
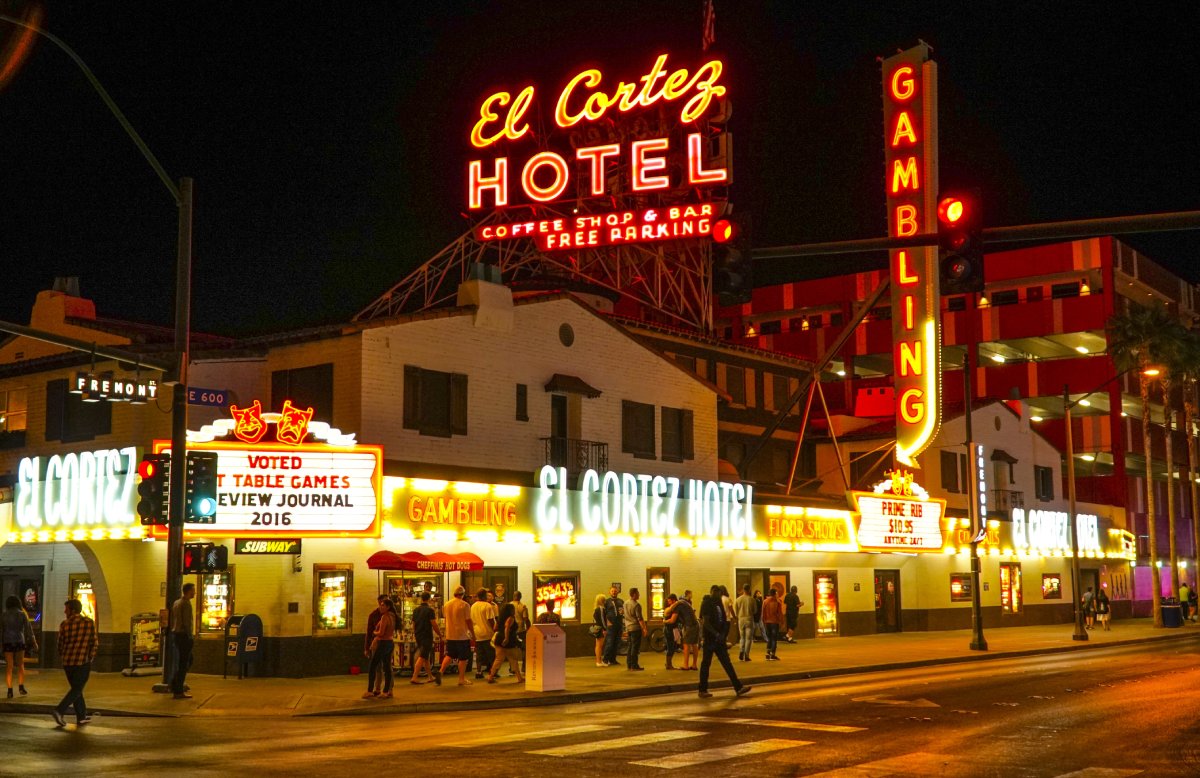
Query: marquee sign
(590, 112)
(276, 478)
(910, 158)
(1044, 530)
(899, 516)
(76, 490)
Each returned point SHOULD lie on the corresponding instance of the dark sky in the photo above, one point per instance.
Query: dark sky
(328, 141)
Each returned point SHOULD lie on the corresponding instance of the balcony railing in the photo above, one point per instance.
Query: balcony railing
(575, 455)
(1004, 500)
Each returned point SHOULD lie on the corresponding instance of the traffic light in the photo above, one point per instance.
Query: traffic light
(201, 502)
(733, 273)
(155, 470)
(194, 555)
(204, 558)
(960, 238)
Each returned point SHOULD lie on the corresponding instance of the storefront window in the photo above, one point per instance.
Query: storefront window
(826, 602)
(1010, 588)
(960, 587)
(1051, 586)
(658, 586)
(81, 589)
(560, 588)
(332, 592)
(216, 601)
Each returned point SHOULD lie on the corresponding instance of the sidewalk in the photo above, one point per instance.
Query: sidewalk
(116, 695)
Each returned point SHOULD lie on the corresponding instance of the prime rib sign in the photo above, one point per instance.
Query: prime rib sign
(290, 483)
(602, 123)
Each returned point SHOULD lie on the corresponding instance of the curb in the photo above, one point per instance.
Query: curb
(565, 698)
(568, 698)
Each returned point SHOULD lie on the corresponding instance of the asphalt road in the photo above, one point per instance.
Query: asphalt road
(1093, 714)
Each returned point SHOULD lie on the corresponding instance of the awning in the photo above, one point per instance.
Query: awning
(1000, 455)
(573, 384)
(415, 561)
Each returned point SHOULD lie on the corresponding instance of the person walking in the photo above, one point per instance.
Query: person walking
(77, 646)
(1089, 608)
(1185, 599)
(597, 629)
(772, 616)
(1192, 602)
(521, 612)
(690, 626)
(760, 631)
(715, 627)
(424, 620)
(18, 638)
(459, 631)
(672, 632)
(614, 623)
(372, 623)
(1103, 608)
(635, 627)
(507, 646)
(483, 617)
(743, 607)
(182, 626)
(791, 613)
(383, 645)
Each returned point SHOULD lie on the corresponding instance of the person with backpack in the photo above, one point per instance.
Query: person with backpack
(614, 623)
(18, 638)
(690, 627)
(714, 625)
(506, 642)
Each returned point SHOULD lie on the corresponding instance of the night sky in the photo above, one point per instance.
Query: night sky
(328, 141)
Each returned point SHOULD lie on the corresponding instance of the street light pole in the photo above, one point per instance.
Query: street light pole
(182, 195)
(1076, 575)
(974, 508)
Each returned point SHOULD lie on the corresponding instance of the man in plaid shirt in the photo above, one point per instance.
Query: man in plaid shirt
(77, 645)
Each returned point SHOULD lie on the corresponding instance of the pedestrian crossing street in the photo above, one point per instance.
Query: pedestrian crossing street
(599, 738)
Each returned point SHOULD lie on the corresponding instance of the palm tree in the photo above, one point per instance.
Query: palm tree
(1190, 373)
(1138, 338)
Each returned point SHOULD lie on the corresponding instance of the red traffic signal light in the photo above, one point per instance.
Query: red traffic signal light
(960, 238)
(152, 507)
(724, 230)
(952, 209)
(148, 468)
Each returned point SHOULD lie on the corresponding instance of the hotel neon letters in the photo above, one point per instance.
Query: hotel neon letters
(76, 490)
(910, 153)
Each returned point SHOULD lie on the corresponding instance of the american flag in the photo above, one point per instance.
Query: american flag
(709, 36)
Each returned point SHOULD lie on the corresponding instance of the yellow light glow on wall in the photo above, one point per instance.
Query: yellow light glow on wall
(708, 543)
(392, 533)
(483, 536)
(518, 537)
(589, 539)
(773, 510)
(469, 487)
(506, 490)
(759, 545)
(440, 535)
(621, 540)
(429, 485)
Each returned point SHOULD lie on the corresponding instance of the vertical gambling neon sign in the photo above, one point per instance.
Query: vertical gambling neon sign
(910, 159)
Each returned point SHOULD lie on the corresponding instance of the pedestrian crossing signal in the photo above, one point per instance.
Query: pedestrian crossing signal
(204, 558)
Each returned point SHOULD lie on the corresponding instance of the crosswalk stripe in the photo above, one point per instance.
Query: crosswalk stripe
(545, 733)
(1101, 772)
(606, 744)
(775, 723)
(724, 752)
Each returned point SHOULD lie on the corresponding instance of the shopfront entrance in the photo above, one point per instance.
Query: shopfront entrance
(491, 577)
(887, 600)
(25, 583)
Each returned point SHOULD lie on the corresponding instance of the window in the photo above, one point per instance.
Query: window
(1043, 482)
(956, 303)
(306, 387)
(1059, 291)
(1051, 586)
(686, 362)
(1006, 297)
(779, 391)
(13, 417)
(773, 327)
(658, 586)
(522, 402)
(70, 419)
(867, 468)
(435, 403)
(677, 444)
(960, 587)
(560, 588)
(216, 601)
(637, 429)
(333, 588)
(1034, 294)
(954, 472)
(735, 384)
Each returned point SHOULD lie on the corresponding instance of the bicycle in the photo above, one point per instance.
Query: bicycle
(657, 639)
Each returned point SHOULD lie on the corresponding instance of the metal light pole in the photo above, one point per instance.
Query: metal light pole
(1076, 575)
(182, 195)
(978, 642)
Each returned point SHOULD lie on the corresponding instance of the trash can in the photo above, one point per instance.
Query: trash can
(545, 658)
(1172, 615)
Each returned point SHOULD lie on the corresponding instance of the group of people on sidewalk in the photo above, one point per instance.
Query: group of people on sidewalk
(485, 632)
